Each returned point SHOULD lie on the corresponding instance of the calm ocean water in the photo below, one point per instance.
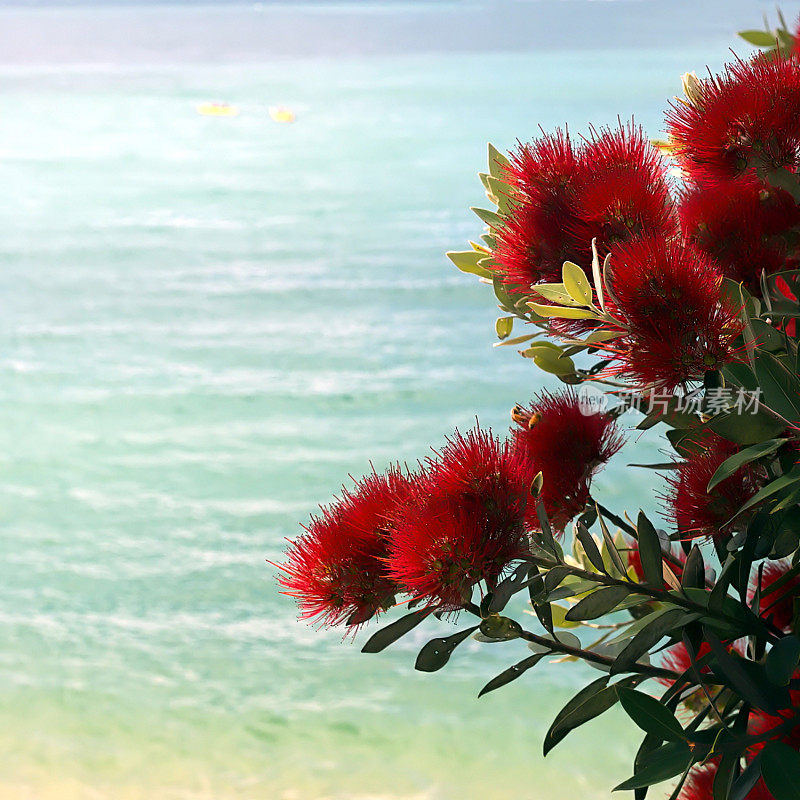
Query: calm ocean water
(205, 325)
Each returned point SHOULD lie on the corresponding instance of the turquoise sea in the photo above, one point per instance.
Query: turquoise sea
(207, 323)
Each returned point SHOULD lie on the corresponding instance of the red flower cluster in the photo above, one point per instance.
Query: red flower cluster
(465, 524)
(462, 519)
(555, 437)
(336, 569)
(735, 131)
(742, 120)
(744, 226)
(694, 510)
(676, 323)
(611, 187)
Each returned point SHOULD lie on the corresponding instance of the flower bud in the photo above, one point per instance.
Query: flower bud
(691, 87)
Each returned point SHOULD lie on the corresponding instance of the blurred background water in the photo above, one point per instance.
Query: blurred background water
(206, 324)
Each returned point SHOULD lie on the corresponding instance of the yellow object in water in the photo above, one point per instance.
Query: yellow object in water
(281, 114)
(217, 110)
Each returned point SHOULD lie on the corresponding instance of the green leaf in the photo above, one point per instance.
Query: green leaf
(746, 429)
(694, 570)
(746, 678)
(589, 547)
(576, 283)
(500, 629)
(597, 603)
(467, 261)
(562, 312)
(590, 702)
(556, 293)
(773, 487)
(497, 162)
(491, 219)
(512, 673)
(780, 767)
(560, 617)
(723, 779)
(650, 551)
(613, 553)
(503, 327)
(501, 192)
(781, 388)
(519, 579)
(744, 784)
(381, 639)
(666, 762)
(651, 715)
(649, 636)
(759, 38)
(515, 340)
(436, 653)
(738, 460)
(782, 660)
(549, 360)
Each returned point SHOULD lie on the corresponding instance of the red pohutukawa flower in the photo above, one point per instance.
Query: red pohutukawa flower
(465, 523)
(744, 226)
(667, 293)
(337, 569)
(779, 603)
(743, 119)
(622, 190)
(612, 188)
(691, 507)
(533, 242)
(555, 437)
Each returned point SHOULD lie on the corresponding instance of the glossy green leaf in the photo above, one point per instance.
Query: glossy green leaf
(694, 570)
(782, 660)
(651, 715)
(650, 551)
(649, 636)
(746, 429)
(500, 629)
(791, 479)
(491, 219)
(746, 678)
(469, 261)
(589, 547)
(436, 653)
(561, 312)
(512, 673)
(590, 702)
(780, 767)
(781, 388)
(556, 293)
(381, 639)
(549, 360)
(660, 765)
(503, 327)
(501, 192)
(598, 603)
(576, 283)
(519, 579)
(744, 784)
(759, 38)
(738, 460)
(497, 162)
